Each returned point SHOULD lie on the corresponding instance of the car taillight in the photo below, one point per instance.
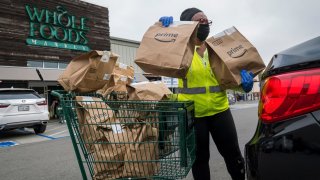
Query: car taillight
(42, 103)
(288, 95)
(2, 105)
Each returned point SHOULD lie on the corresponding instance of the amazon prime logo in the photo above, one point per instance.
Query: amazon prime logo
(237, 51)
(166, 37)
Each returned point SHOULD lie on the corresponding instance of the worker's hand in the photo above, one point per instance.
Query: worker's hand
(166, 20)
(246, 80)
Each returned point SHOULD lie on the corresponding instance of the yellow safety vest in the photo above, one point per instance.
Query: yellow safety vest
(202, 87)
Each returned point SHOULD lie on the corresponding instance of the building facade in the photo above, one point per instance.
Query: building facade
(40, 38)
(47, 35)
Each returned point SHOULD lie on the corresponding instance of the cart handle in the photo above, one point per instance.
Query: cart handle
(58, 93)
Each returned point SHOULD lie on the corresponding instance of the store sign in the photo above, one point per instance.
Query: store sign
(169, 82)
(57, 29)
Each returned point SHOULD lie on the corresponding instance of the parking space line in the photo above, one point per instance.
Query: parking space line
(58, 132)
(51, 129)
(63, 137)
(49, 137)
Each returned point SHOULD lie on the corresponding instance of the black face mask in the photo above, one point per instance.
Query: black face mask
(203, 32)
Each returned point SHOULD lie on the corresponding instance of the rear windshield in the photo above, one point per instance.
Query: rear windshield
(19, 95)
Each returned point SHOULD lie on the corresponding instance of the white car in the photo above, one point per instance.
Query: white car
(20, 108)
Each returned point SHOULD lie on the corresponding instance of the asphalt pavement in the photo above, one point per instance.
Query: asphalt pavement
(54, 130)
(54, 158)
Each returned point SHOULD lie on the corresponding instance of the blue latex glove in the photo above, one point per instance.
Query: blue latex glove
(246, 80)
(166, 20)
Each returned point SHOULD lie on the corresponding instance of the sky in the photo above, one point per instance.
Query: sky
(270, 25)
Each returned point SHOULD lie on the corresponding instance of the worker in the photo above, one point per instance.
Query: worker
(212, 113)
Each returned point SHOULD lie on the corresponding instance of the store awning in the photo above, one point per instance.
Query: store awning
(28, 74)
(139, 77)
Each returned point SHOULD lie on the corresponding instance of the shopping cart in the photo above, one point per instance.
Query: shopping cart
(123, 139)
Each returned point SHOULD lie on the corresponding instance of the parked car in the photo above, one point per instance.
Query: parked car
(286, 144)
(231, 99)
(21, 108)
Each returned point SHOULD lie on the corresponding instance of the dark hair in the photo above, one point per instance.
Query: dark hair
(187, 14)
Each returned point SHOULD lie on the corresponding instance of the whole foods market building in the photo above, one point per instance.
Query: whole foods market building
(46, 35)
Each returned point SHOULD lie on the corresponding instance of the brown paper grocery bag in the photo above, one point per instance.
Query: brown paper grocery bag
(117, 83)
(142, 155)
(110, 150)
(124, 69)
(154, 91)
(91, 113)
(121, 76)
(133, 113)
(110, 158)
(167, 51)
(229, 53)
(120, 146)
(88, 72)
(146, 91)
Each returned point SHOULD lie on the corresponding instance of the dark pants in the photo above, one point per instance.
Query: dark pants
(222, 129)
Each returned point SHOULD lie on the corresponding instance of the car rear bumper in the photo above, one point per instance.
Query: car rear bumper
(18, 121)
(285, 150)
(22, 124)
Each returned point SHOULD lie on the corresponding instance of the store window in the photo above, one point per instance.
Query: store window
(38, 64)
(62, 65)
(47, 64)
(53, 65)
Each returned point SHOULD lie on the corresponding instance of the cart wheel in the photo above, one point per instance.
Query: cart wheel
(40, 128)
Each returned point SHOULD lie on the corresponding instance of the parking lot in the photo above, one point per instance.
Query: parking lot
(55, 130)
(51, 156)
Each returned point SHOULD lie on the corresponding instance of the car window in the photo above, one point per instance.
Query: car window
(18, 95)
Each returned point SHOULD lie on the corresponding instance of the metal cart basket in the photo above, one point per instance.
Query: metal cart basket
(123, 139)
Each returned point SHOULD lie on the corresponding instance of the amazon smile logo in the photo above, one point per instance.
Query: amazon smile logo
(166, 37)
(237, 51)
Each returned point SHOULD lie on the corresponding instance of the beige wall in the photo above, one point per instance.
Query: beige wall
(127, 50)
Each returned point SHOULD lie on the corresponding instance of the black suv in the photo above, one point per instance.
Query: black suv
(286, 144)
